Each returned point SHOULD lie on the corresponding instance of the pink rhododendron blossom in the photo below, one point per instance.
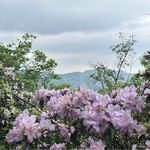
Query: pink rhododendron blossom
(31, 129)
(140, 129)
(41, 94)
(96, 117)
(99, 145)
(15, 135)
(25, 125)
(57, 93)
(60, 106)
(103, 100)
(129, 98)
(60, 146)
(86, 93)
(123, 120)
(74, 115)
(66, 131)
(18, 121)
(147, 145)
(134, 147)
(44, 115)
(44, 94)
(147, 91)
(145, 85)
(113, 108)
(45, 124)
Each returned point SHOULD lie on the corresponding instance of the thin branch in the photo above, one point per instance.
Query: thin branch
(24, 100)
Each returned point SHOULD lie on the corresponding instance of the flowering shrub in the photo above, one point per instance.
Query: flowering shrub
(13, 100)
(84, 119)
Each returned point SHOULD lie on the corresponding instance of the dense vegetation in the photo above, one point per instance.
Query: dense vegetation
(35, 114)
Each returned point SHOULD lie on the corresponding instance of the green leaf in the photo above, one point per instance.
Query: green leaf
(109, 135)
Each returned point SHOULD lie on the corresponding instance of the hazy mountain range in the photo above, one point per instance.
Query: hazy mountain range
(77, 79)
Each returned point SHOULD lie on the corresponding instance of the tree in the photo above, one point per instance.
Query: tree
(18, 74)
(110, 78)
(39, 71)
(145, 61)
(143, 76)
(33, 72)
(104, 75)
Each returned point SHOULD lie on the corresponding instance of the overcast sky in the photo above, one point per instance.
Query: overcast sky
(77, 33)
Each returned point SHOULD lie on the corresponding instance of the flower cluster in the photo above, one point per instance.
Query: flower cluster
(73, 116)
(24, 125)
(130, 99)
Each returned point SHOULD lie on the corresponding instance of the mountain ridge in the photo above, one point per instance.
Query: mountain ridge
(78, 78)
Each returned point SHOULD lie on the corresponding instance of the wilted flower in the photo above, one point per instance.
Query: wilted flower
(9, 72)
(6, 113)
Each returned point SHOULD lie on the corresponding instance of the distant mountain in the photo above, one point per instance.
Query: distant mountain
(77, 79)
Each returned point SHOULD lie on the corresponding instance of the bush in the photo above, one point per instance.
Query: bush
(84, 119)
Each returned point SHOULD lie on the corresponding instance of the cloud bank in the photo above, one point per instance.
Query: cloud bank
(77, 32)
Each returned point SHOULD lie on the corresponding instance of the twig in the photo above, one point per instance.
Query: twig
(24, 100)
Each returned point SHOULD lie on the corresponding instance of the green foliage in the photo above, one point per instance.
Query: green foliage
(19, 72)
(143, 76)
(31, 71)
(109, 136)
(145, 61)
(39, 71)
(104, 75)
(61, 86)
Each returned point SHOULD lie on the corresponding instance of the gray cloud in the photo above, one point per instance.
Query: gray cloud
(50, 17)
(78, 43)
(76, 32)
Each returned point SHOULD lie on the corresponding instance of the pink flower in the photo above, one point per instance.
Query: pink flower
(60, 146)
(148, 145)
(134, 146)
(147, 91)
(41, 95)
(14, 135)
(45, 124)
(31, 129)
(44, 115)
(99, 145)
(123, 120)
(54, 93)
(83, 96)
(60, 106)
(66, 131)
(96, 117)
(129, 98)
(103, 100)
(140, 129)
(24, 125)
